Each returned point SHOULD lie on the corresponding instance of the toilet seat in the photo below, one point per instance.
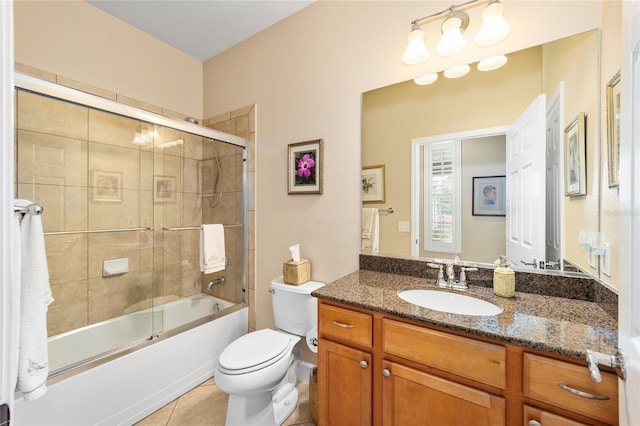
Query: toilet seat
(255, 351)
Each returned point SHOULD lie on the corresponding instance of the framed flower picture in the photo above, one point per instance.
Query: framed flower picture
(373, 184)
(304, 168)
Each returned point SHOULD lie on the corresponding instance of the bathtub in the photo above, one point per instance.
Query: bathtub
(127, 388)
(76, 346)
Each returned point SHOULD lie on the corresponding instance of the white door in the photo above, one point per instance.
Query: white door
(525, 219)
(7, 343)
(554, 179)
(629, 298)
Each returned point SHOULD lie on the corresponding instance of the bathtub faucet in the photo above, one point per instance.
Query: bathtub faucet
(217, 281)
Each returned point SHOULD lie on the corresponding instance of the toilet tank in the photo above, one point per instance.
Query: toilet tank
(295, 310)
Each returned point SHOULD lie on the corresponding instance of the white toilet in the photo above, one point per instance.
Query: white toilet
(259, 369)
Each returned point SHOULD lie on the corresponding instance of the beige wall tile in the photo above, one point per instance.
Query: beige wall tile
(191, 175)
(192, 209)
(110, 297)
(48, 115)
(86, 88)
(242, 126)
(112, 167)
(192, 147)
(119, 214)
(65, 206)
(66, 257)
(48, 158)
(69, 309)
(114, 245)
(113, 129)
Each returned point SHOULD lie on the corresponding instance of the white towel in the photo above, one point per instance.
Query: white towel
(370, 244)
(35, 297)
(367, 221)
(212, 255)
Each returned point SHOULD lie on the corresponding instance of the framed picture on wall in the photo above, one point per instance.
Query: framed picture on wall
(304, 167)
(107, 186)
(489, 196)
(373, 184)
(613, 129)
(164, 189)
(575, 168)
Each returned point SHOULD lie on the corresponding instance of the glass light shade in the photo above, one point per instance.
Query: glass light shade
(452, 41)
(425, 79)
(494, 27)
(492, 63)
(416, 50)
(458, 71)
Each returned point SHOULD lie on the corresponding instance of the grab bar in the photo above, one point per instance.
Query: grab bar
(97, 231)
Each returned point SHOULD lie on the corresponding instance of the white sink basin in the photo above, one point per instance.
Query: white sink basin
(453, 303)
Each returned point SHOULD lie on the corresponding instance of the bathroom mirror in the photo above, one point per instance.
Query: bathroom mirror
(472, 109)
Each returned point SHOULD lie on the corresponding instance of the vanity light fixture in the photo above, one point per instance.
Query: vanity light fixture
(426, 79)
(492, 63)
(458, 71)
(493, 30)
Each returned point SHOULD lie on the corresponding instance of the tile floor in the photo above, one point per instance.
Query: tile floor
(206, 405)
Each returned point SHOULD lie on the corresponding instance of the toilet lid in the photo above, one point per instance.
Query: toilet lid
(254, 351)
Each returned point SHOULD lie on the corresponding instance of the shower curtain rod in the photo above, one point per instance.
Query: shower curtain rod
(164, 228)
(32, 209)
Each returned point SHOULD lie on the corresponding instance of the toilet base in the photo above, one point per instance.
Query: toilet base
(270, 408)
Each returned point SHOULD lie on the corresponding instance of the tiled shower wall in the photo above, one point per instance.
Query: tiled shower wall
(242, 123)
(81, 165)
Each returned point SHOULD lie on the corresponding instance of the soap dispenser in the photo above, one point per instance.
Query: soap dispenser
(504, 279)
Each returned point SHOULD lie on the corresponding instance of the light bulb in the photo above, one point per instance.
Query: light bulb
(494, 27)
(452, 41)
(492, 63)
(425, 79)
(458, 71)
(416, 50)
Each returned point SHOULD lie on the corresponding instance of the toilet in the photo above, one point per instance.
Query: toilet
(259, 370)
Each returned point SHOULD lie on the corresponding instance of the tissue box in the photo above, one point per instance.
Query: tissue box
(296, 273)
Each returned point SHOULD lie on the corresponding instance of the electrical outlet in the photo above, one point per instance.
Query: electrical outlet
(403, 226)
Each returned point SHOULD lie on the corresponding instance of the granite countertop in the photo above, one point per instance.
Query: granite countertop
(552, 324)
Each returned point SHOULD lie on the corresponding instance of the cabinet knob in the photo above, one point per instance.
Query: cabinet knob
(534, 423)
(386, 373)
(364, 364)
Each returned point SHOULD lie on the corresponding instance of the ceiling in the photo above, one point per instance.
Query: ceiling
(201, 28)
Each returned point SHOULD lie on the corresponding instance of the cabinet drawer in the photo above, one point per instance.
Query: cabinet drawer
(345, 325)
(480, 361)
(544, 379)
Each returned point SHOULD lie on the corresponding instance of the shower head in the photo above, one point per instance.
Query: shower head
(191, 120)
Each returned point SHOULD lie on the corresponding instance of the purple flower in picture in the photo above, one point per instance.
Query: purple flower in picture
(305, 164)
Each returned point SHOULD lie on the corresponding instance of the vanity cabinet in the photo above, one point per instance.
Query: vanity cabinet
(567, 386)
(377, 369)
(344, 370)
(413, 397)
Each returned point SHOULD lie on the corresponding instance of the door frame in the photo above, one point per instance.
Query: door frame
(416, 186)
(8, 338)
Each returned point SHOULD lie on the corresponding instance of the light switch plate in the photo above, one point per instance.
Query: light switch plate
(403, 226)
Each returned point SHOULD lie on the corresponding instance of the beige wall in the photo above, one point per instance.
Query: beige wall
(574, 60)
(80, 42)
(306, 74)
(609, 204)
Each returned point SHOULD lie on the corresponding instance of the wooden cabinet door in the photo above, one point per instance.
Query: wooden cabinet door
(412, 397)
(344, 385)
(536, 417)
